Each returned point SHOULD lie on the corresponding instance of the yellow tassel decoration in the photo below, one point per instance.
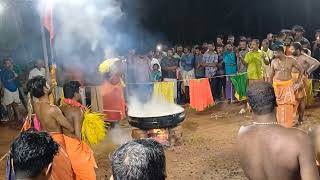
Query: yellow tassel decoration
(106, 65)
(93, 127)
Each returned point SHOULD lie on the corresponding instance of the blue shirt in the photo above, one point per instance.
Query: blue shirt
(230, 62)
(6, 79)
(187, 62)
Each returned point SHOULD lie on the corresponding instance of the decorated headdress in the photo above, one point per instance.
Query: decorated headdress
(107, 65)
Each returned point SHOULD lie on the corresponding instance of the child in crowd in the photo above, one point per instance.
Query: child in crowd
(155, 73)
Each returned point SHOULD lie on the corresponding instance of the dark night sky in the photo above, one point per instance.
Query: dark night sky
(190, 21)
(177, 21)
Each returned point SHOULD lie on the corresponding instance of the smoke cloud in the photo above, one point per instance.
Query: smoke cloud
(87, 32)
(156, 107)
(120, 135)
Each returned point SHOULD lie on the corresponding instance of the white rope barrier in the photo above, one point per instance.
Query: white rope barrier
(180, 80)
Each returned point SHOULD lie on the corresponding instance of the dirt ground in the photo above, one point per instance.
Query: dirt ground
(208, 148)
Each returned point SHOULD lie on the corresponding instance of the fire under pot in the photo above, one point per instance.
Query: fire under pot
(164, 129)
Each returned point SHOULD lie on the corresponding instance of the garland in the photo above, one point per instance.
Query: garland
(74, 103)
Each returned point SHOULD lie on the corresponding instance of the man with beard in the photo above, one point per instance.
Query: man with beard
(284, 86)
(269, 151)
(179, 52)
(80, 154)
(53, 122)
(308, 65)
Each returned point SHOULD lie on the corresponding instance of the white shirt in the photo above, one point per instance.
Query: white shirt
(36, 72)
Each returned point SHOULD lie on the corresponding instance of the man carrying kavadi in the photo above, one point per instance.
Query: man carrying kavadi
(89, 128)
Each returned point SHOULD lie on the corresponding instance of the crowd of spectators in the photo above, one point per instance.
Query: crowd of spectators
(216, 60)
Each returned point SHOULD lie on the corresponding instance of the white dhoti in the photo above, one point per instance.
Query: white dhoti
(186, 76)
(11, 97)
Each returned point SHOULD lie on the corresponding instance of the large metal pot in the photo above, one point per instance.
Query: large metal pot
(159, 122)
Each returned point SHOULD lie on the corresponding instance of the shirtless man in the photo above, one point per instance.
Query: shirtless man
(80, 154)
(52, 121)
(309, 65)
(314, 133)
(284, 86)
(270, 151)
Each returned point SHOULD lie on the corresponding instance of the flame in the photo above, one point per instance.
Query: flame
(160, 135)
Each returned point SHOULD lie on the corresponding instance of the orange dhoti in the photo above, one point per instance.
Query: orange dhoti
(61, 166)
(285, 100)
(300, 93)
(82, 159)
(113, 101)
(200, 94)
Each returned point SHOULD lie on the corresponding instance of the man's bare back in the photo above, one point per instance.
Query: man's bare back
(51, 118)
(269, 151)
(74, 116)
(276, 153)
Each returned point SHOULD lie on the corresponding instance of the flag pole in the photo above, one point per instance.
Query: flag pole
(45, 50)
(50, 71)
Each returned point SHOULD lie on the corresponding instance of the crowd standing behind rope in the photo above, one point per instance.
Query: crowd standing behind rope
(216, 60)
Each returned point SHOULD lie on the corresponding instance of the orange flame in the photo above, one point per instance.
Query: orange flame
(160, 135)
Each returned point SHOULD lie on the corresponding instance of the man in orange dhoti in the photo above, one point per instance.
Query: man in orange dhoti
(52, 121)
(80, 154)
(112, 89)
(281, 75)
(113, 100)
(308, 65)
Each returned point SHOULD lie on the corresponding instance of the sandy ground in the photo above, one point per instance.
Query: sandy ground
(207, 152)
